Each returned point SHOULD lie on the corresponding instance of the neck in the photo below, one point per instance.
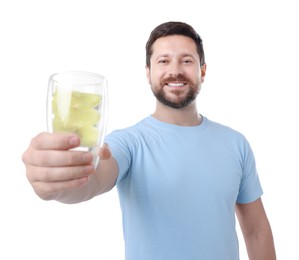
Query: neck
(187, 116)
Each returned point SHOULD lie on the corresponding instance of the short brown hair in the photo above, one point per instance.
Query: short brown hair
(174, 28)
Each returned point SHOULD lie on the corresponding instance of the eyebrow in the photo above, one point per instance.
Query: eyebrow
(181, 56)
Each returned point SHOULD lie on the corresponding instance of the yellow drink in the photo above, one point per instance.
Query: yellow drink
(77, 112)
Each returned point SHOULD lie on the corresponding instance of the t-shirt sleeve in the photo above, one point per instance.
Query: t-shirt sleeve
(118, 145)
(250, 187)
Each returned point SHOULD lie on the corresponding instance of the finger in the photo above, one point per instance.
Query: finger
(105, 152)
(58, 174)
(57, 158)
(47, 190)
(55, 141)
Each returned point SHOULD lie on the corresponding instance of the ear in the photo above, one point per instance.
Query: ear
(148, 74)
(203, 69)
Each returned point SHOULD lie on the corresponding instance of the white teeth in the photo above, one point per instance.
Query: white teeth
(175, 84)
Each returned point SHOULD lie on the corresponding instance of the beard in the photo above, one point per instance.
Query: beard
(181, 99)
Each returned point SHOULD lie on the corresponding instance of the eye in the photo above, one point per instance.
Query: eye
(186, 61)
(162, 61)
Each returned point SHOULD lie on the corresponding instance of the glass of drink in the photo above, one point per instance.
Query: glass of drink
(77, 103)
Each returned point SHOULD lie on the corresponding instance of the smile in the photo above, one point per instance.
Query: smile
(175, 84)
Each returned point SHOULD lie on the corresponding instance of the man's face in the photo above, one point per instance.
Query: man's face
(175, 74)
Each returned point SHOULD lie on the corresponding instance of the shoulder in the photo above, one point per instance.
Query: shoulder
(130, 132)
(226, 135)
(223, 129)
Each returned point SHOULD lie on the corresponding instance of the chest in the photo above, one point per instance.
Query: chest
(186, 169)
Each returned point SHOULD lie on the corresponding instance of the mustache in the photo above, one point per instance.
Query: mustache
(174, 79)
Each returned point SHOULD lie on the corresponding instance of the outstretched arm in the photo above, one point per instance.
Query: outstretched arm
(256, 230)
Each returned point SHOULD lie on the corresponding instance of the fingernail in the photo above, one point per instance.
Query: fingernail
(74, 141)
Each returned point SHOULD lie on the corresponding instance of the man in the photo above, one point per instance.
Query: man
(180, 176)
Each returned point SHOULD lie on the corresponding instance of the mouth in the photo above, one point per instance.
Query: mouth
(175, 84)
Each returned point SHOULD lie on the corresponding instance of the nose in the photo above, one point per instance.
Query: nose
(175, 69)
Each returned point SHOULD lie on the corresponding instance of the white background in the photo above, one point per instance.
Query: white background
(251, 85)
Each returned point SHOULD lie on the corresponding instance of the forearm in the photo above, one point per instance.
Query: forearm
(260, 245)
(101, 181)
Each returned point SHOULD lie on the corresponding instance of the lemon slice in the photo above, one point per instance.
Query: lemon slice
(77, 112)
(88, 136)
(80, 99)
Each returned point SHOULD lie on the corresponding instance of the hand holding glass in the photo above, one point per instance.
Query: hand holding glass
(77, 103)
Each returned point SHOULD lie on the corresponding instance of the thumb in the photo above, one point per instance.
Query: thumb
(105, 152)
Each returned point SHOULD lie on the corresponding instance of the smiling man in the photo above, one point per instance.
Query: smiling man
(181, 177)
(178, 74)
(175, 74)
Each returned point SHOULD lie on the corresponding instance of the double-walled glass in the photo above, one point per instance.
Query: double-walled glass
(77, 103)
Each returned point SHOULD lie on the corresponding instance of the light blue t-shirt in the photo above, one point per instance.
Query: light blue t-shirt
(178, 186)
